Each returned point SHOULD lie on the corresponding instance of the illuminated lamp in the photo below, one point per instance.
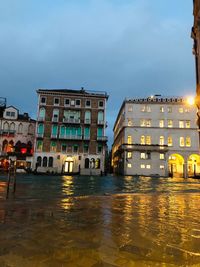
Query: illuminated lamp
(23, 150)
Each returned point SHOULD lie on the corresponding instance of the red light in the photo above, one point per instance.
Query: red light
(23, 150)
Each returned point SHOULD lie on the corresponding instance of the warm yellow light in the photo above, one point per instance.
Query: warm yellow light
(191, 100)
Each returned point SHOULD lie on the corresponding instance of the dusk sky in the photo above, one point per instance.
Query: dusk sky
(129, 48)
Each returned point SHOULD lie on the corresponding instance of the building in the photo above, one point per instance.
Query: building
(17, 133)
(196, 51)
(156, 136)
(70, 135)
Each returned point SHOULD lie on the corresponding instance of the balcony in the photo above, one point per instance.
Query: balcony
(139, 147)
(40, 135)
(7, 132)
(70, 137)
(102, 138)
(71, 120)
(87, 121)
(86, 137)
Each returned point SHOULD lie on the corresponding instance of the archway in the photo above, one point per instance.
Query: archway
(68, 165)
(176, 165)
(193, 165)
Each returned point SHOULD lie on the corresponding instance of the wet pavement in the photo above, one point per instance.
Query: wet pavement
(100, 222)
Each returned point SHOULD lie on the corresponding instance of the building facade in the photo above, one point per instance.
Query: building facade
(17, 133)
(70, 132)
(196, 51)
(156, 136)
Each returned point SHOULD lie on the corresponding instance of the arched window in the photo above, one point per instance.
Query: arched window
(50, 161)
(5, 146)
(88, 116)
(30, 129)
(12, 126)
(40, 129)
(10, 147)
(100, 117)
(6, 126)
(55, 115)
(87, 163)
(18, 146)
(97, 164)
(39, 161)
(20, 128)
(92, 163)
(44, 163)
(42, 114)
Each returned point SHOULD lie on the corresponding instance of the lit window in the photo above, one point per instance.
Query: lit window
(169, 109)
(181, 124)
(162, 140)
(182, 142)
(143, 108)
(148, 140)
(142, 140)
(162, 156)
(162, 167)
(143, 155)
(169, 141)
(64, 148)
(142, 166)
(148, 166)
(162, 109)
(53, 147)
(170, 123)
(148, 123)
(180, 110)
(129, 165)
(39, 145)
(130, 109)
(188, 141)
(187, 124)
(148, 108)
(129, 139)
(142, 123)
(130, 122)
(161, 123)
(187, 110)
(129, 155)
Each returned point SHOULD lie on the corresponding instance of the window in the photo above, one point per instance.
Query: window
(170, 123)
(75, 148)
(148, 140)
(180, 110)
(161, 140)
(161, 123)
(146, 108)
(87, 132)
(43, 100)
(77, 102)
(187, 110)
(39, 145)
(54, 130)
(53, 147)
(40, 129)
(39, 161)
(142, 140)
(20, 128)
(64, 148)
(129, 139)
(142, 166)
(12, 126)
(187, 124)
(181, 124)
(129, 155)
(143, 155)
(148, 155)
(88, 103)
(142, 123)
(55, 115)
(129, 165)
(67, 102)
(182, 141)
(6, 126)
(162, 167)
(100, 117)
(8, 113)
(12, 114)
(169, 109)
(87, 163)
(42, 114)
(56, 101)
(99, 148)
(50, 161)
(101, 104)
(169, 141)
(86, 148)
(161, 109)
(188, 141)
(130, 108)
(44, 162)
(130, 123)
(148, 166)
(148, 123)
(88, 116)
(162, 156)
(97, 164)
(143, 108)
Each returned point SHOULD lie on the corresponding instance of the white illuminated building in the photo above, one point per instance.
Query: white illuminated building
(156, 136)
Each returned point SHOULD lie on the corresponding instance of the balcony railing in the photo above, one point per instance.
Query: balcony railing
(7, 132)
(71, 120)
(102, 138)
(86, 137)
(40, 135)
(70, 137)
(87, 121)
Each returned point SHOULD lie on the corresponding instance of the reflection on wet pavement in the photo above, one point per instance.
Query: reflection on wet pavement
(54, 227)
